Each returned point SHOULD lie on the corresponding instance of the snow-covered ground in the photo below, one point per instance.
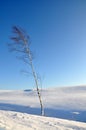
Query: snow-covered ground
(19, 109)
(22, 121)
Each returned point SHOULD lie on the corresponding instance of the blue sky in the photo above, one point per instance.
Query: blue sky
(58, 34)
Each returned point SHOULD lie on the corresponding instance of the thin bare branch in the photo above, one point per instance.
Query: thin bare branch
(21, 42)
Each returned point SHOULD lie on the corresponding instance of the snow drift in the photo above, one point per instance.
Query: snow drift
(65, 102)
(21, 121)
(16, 107)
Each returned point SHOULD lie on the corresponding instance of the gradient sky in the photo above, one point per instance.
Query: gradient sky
(58, 34)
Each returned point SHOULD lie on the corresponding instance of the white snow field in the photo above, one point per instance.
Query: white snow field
(20, 109)
(22, 121)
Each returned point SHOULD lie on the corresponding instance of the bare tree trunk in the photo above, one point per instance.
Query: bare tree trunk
(36, 83)
(21, 44)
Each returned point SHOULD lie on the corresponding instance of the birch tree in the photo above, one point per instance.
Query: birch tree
(21, 44)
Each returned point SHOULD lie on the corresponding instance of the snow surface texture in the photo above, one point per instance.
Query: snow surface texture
(67, 103)
(22, 121)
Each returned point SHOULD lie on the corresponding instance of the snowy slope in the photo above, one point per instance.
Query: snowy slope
(16, 107)
(64, 102)
(64, 98)
(22, 121)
